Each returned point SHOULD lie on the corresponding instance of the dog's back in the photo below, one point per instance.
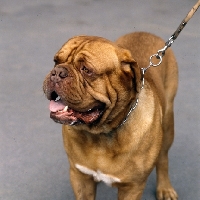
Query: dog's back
(142, 45)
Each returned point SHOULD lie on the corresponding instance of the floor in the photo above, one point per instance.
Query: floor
(33, 164)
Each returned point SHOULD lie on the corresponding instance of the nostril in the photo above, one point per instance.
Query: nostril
(63, 73)
(53, 72)
(58, 73)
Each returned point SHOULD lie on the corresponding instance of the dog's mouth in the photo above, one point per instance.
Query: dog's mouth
(63, 114)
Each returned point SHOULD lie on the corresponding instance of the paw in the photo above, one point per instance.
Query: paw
(166, 194)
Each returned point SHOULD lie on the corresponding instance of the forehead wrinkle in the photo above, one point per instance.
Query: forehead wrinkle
(99, 55)
(96, 51)
(70, 49)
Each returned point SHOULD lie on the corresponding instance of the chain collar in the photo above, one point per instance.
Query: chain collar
(132, 108)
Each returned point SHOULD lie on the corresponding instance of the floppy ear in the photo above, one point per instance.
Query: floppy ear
(129, 65)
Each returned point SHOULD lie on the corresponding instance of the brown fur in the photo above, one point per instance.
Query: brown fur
(128, 152)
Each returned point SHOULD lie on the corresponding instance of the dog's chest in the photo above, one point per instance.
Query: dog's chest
(98, 175)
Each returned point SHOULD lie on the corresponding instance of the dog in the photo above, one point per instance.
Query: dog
(118, 123)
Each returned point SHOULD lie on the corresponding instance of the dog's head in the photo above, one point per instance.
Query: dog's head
(92, 84)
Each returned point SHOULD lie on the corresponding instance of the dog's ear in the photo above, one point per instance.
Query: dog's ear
(130, 66)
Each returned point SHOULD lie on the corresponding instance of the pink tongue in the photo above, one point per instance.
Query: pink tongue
(55, 106)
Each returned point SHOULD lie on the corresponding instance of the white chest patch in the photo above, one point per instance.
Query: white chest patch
(98, 175)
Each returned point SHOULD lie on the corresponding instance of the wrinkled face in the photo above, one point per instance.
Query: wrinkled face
(91, 82)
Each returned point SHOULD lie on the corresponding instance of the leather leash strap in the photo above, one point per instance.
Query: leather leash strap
(160, 53)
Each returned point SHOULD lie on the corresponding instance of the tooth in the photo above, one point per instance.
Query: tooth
(65, 109)
(57, 98)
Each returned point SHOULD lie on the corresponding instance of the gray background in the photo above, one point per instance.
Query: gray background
(33, 164)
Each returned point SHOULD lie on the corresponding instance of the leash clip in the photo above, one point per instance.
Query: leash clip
(159, 55)
(168, 44)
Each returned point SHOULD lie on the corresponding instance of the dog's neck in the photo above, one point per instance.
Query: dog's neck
(133, 107)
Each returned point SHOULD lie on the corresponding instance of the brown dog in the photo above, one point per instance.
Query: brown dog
(115, 129)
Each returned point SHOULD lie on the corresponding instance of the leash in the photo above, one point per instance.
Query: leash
(160, 53)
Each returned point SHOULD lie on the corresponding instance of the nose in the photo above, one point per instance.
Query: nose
(58, 73)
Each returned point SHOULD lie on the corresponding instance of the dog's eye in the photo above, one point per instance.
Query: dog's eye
(86, 70)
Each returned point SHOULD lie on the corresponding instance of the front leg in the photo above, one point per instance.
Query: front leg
(84, 186)
(132, 191)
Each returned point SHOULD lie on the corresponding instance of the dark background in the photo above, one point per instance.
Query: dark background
(33, 163)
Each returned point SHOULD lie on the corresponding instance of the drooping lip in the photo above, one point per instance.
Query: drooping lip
(63, 114)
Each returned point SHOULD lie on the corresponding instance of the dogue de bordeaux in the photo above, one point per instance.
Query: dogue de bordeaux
(117, 124)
